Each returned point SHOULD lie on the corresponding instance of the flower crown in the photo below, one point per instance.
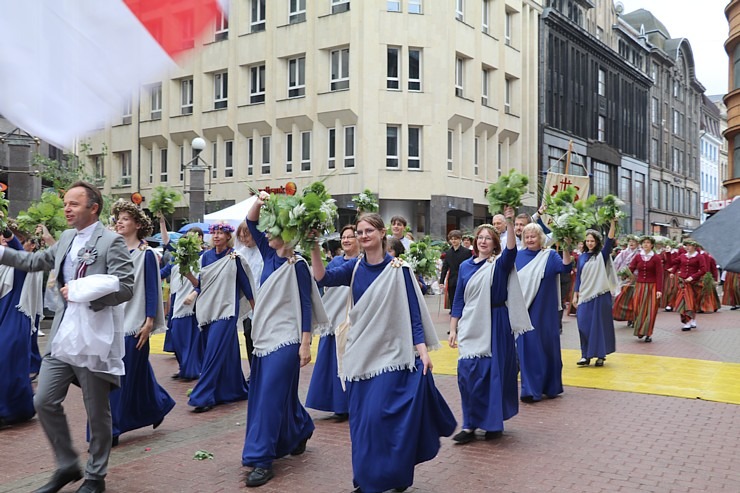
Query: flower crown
(226, 228)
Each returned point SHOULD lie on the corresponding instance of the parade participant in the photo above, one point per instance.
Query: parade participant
(670, 282)
(595, 282)
(453, 257)
(689, 268)
(247, 248)
(648, 288)
(622, 310)
(325, 392)
(140, 401)
(20, 300)
(709, 300)
(289, 307)
(539, 271)
(731, 289)
(35, 280)
(487, 314)
(86, 250)
(384, 361)
(467, 242)
(224, 297)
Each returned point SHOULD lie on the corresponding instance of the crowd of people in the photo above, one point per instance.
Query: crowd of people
(506, 286)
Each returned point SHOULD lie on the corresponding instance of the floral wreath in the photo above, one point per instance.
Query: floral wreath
(137, 214)
(225, 227)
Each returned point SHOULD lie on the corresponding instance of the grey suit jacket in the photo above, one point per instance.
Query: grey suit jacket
(112, 258)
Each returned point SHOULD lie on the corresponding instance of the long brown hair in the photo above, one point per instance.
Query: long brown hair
(494, 234)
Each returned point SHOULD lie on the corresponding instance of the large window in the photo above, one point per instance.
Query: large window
(414, 69)
(289, 153)
(602, 82)
(601, 129)
(603, 181)
(257, 84)
(306, 151)
(266, 155)
(414, 159)
(297, 11)
(339, 77)
(155, 94)
(486, 22)
(508, 21)
(654, 107)
(186, 97)
(258, 15)
(654, 194)
(297, 77)
(415, 7)
(654, 147)
(163, 165)
(222, 25)
(338, 6)
(126, 109)
(332, 151)
(508, 83)
(220, 90)
(392, 146)
(639, 189)
(485, 86)
(125, 161)
(250, 156)
(228, 158)
(393, 71)
(459, 77)
(349, 147)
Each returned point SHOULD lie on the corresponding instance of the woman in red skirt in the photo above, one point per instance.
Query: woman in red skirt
(670, 283)
(731, 289)
(709, 298)
(690, 267)
(648, 288)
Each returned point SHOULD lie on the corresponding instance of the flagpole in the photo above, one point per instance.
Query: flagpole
(568, 156)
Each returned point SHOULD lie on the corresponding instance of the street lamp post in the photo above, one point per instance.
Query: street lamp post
(197, 190)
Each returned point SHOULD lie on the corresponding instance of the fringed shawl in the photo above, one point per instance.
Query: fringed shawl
(135, 309)
(531, 276)
(31, 303)
(276, 321)
(217, 300)
(182, 287)
(474, 327)
(335, 305)
(380, 339)
(597, 277)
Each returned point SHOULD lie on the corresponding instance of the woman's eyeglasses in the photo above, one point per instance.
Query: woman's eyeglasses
(348, 237)
(484, 238)
(366, 232)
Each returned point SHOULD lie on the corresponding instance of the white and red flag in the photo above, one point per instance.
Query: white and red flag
(68, 65)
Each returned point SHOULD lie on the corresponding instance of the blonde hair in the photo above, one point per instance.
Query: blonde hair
(537, 229)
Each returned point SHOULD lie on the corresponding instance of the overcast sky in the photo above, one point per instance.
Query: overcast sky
(704, 24)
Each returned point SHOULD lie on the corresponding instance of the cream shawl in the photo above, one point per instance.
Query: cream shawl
(182, 287)
(597, 277)
(531, 276)
(217, 300)
(135, 309)
(31, 303)
(276, 321)
(335, 305)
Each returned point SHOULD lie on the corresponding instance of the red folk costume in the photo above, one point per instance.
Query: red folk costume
(709, 301)
(648, 283)
(731, 289)
(689, 270)
(670, 284)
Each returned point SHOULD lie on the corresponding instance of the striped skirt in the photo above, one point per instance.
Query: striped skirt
(709, 302)
(622, 309)
(686, 300)
(645, 306)
(670, 290)
(731, 294)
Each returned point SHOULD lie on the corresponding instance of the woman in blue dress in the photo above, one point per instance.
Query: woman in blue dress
(16, 393)
(539, 270)
(483, 324)
(140, 401)
(289, 303)
(325, 392)
(396, 413)
(596, 281)
(224, 297)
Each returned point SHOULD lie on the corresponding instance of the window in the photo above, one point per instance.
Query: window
(676, 88)
(602, 82)
(654, 194)
(736, 71)
(266, 155)
(414, 161)
(459, 77)
(450, 136)
(654, 111)
(163, 165)
(339, 77)
(507, 28)
(602, 179)
(258, 15)
(125, 160)
(654, 146)
(392, 146)
(507, 95)
(676, 125)
(297, 11)
(601, 130)
(476, 156)
(332, 163)
(599, 33)
(220, 90)
(155, 94)
(393, 75)
(349, 147)
(229, 158)
(222, 25)
(393, 5)
(654, 72)
(257, 84)
(182, 163)
(126, 110)
(214, 167)
(186, 97)
(414, 69)
(297, 77)
(151, 166)
(485, 84)
(415, 7)
(639, 196)
(460, 10)
(250, 156)
(305, 151)
(338, 6)
(486, 22)
(289, 153)
(99, 167)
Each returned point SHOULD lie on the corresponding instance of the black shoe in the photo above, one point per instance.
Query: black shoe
(301, 446)
(176, 376)
(599, 362)
(734, 307)
(114, 442)
(156, 425)
(92, 486)
(357, 490)
(340, 417)
(259, 476)
(60, 479)
(492, 435)
(464, 437)
(202, 409)
(648, 339)
(527, 398)
(4, 424)
(584, 362)
(401, 489)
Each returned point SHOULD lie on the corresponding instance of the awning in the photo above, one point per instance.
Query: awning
(687, 230)
(660, 224)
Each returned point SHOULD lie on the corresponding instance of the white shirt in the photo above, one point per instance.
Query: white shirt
(70, 261)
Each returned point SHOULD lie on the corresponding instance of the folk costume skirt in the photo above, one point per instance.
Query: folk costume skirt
(623, 308)
(645, 306)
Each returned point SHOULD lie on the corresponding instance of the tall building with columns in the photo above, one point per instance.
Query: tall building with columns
(423, 102)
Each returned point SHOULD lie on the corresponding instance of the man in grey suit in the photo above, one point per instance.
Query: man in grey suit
(88, 248)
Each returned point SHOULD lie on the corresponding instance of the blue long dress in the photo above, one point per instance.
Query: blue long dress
(540, 361)
(277, 422)
(140, 401)
(16, 393)
(488, 385)
(397, 417)
(325, 392)
(221, 377)
(595, 322)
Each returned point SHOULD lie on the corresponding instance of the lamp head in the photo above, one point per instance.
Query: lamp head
(198, 144)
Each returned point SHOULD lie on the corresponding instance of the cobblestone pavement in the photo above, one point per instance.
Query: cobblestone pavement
(587, 440)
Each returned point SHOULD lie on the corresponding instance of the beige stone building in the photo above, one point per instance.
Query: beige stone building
(423, 102)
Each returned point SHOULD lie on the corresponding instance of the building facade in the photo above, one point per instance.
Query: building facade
(422, 102)
(710, 146)
(732, 100)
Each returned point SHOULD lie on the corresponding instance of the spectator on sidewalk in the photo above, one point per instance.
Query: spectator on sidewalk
(398, 231)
